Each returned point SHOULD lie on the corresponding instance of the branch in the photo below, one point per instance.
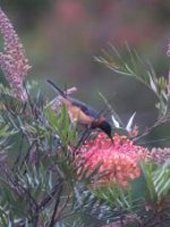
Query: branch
(50, 195)
(150, 129)
(53, 221)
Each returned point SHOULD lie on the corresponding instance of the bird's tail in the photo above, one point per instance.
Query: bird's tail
(57, 88)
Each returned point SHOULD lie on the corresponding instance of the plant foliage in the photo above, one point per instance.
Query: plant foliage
(41, 181)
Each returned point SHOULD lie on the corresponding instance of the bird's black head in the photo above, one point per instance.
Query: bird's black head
(106, 128)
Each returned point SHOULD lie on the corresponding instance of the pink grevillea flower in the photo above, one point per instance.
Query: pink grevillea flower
(159, 155)
(118, 159)
(13, 62)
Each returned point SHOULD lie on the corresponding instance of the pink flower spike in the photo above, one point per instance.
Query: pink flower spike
(13, 62)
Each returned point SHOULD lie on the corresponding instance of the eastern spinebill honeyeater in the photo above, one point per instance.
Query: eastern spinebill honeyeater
(84, 114)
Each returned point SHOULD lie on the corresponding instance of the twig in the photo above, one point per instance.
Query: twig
(156, 223)
(53, 220)
(19, 153)
(47, 199)
(29, 99)
(63, 207)
(25, 159)
(150, 129)
(83, 138)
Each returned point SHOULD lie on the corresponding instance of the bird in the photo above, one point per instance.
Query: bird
(83, 113)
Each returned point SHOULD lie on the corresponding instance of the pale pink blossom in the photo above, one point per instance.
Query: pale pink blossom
(13, 62)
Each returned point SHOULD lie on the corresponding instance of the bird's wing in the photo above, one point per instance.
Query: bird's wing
(88, 110)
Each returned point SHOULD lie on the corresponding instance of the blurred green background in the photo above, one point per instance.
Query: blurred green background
(61, 38)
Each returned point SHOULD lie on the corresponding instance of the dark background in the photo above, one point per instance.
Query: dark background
(61, 38)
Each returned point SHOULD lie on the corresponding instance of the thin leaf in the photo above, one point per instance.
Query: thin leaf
(130, 122)
(115, 122)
